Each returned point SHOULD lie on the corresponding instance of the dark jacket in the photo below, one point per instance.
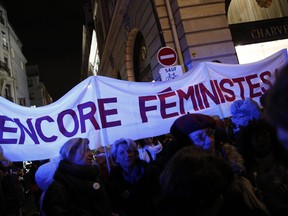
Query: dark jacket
(135, 198)
(76, 191)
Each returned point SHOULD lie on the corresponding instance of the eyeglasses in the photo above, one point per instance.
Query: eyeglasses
(200, 137)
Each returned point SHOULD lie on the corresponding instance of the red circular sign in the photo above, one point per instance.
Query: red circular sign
(167, 56)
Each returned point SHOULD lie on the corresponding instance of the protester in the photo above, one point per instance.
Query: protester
(148, 150)
(199, 130)
(194, 182)
(2, 195)
(76, 188)
(13, 190)
(156, 145)
(35, 190)
(276, 112)
(103, 161)
(276, 103)
(132, 183)
(259, 146)
(266, 163)
(274, 189)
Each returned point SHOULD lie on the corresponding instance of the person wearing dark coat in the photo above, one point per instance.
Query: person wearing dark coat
(276, 103)
(276, 113)
(194, 182)
(200, 130)
(77, 189)
(132, 183)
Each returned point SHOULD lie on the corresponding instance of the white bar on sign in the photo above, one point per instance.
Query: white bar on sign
(167, 56)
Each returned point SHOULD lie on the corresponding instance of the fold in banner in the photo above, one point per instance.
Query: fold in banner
(104, 109)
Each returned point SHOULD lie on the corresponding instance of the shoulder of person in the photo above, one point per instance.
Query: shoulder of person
(235, 159)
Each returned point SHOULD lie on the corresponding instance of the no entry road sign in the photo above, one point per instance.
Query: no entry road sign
(167, 56)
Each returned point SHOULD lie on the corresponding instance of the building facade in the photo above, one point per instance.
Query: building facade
(130, 33)
(19, 83)
(13, 78)
(38, 93)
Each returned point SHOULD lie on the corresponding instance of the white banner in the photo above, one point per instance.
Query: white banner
(105, 109)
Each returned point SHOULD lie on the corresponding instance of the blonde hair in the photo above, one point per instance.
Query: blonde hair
(74, 150)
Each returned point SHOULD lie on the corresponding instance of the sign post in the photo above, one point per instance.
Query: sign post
(168, 57)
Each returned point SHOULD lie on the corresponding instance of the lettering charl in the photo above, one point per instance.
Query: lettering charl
(269, 32)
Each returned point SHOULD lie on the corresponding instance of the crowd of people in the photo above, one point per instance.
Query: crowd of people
(204, 166)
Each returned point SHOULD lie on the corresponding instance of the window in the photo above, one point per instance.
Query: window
(32, 96)
(6, 64)
(5, 44)
(30, 83)
(8, 93)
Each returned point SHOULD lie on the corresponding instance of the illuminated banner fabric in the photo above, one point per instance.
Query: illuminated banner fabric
(104, 109)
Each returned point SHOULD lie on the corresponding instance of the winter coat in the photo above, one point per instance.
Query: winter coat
(76, 191)
(241, 199)
(136, 195)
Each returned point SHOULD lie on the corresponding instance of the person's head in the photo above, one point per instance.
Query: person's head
(149, 140)
(244, 111)
(261, 140)
(276, 110)
(141, 143)
(194, 181)
(196, 129)
(77, 151)
(258, 140)
(6, 163)
(124, 152)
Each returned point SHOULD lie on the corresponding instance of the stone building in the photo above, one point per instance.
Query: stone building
(129, 33)
(13, 78)
(38, 93)
(19, 83)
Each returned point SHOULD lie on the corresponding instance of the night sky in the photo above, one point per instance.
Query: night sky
(51, 34)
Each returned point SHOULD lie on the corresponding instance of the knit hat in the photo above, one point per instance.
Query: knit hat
(189, 123)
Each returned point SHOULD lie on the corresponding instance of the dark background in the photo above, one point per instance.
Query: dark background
(51, 34)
